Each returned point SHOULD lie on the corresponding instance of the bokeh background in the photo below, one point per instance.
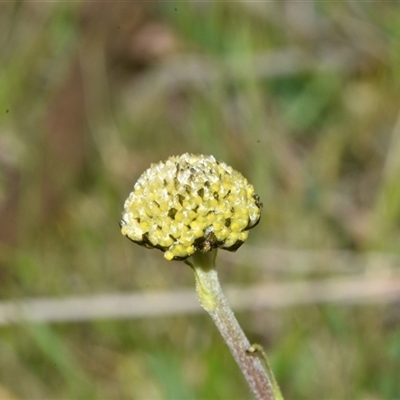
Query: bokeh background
(302, 97)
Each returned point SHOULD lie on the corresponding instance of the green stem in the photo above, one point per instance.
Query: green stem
(215, 303)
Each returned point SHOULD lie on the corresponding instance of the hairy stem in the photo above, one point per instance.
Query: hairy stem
(215, 303)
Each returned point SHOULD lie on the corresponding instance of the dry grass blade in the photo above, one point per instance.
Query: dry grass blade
(343, 291)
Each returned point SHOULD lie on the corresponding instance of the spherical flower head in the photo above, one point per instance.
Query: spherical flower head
(190, 203)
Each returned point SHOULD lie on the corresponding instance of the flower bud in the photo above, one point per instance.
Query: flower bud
(190, 203)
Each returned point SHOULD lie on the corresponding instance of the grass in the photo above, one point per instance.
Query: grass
(303, 101)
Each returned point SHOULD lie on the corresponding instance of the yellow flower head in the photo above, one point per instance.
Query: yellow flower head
(189, 203)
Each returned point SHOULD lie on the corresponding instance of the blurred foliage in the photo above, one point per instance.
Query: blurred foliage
(302, 97)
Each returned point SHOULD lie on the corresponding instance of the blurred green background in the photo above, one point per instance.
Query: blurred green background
(302, 97)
